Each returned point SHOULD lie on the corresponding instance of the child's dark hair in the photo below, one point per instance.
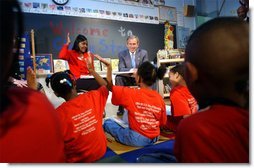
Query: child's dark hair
(179, 68)
(11, 23)
(149, 73)
(78, 39)
(61, 82)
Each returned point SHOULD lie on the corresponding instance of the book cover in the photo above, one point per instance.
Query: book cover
(114, 64)
(43, 63)
(97, 65)
(60, 65)
(103, 66)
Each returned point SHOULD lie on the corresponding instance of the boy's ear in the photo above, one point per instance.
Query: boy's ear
(192, 71)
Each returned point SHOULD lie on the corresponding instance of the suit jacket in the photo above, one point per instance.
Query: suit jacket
(125, 59)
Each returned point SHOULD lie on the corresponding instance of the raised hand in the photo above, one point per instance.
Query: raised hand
(102, 60)
(89, 62)
(19, 83)
(31, 78)
(68, 39)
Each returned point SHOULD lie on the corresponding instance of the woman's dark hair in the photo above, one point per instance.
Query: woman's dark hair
(61, 82)
(179, 68)
(149, 73)
(79, 38)
(11, 23)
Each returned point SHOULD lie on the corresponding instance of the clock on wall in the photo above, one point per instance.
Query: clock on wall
(60, 2)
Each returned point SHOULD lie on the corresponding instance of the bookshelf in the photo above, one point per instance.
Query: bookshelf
(169, 58)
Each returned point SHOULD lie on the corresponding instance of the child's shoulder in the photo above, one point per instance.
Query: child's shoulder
(179, 89)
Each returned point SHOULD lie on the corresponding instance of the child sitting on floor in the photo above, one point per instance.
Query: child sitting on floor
(217, 74)
(81, 117)
(183, 103)
(146, 109)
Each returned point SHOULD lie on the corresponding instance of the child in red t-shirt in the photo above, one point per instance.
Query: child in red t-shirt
(81, 117)
(217, 74)
(146, 108)
(29, 127)
(183, 103)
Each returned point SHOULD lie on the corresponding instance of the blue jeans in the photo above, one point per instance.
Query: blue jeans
(126, 135)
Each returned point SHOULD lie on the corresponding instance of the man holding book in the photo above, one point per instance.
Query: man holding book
(129, 60)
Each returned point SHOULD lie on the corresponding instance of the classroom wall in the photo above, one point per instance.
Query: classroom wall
(208, 9)
(187, 22)
(152, 45)
(105, 37)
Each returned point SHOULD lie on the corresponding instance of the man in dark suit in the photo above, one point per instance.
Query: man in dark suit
(129, 60)
(242, 13)
(243, 10)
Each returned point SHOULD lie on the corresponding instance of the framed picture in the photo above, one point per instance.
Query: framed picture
(43, 63)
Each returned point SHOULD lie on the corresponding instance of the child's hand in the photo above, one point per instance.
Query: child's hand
(31, 78)
(89, 62)
(19, 83)
(68, 39)
(102, 60)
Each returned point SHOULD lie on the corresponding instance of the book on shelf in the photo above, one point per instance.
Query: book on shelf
(103, 66)
(97, 65)
(114, 64)
(60, 65)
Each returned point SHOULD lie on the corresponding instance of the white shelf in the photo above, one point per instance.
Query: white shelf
(171, 60)
(166, 95)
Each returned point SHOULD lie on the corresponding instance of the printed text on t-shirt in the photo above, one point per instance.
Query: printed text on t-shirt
(84, 122)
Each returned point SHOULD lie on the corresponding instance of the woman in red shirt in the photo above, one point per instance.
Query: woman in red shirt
(76, 58)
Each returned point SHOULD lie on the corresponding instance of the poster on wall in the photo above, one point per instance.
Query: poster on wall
(44, 63)
(169, 36)
(167, 13)
(183, 36)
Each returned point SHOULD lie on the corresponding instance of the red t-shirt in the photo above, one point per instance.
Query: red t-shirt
(217, 134)
(146, 109)
(77, 66)
(182, 103)
(30, 130)
(81, 120)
